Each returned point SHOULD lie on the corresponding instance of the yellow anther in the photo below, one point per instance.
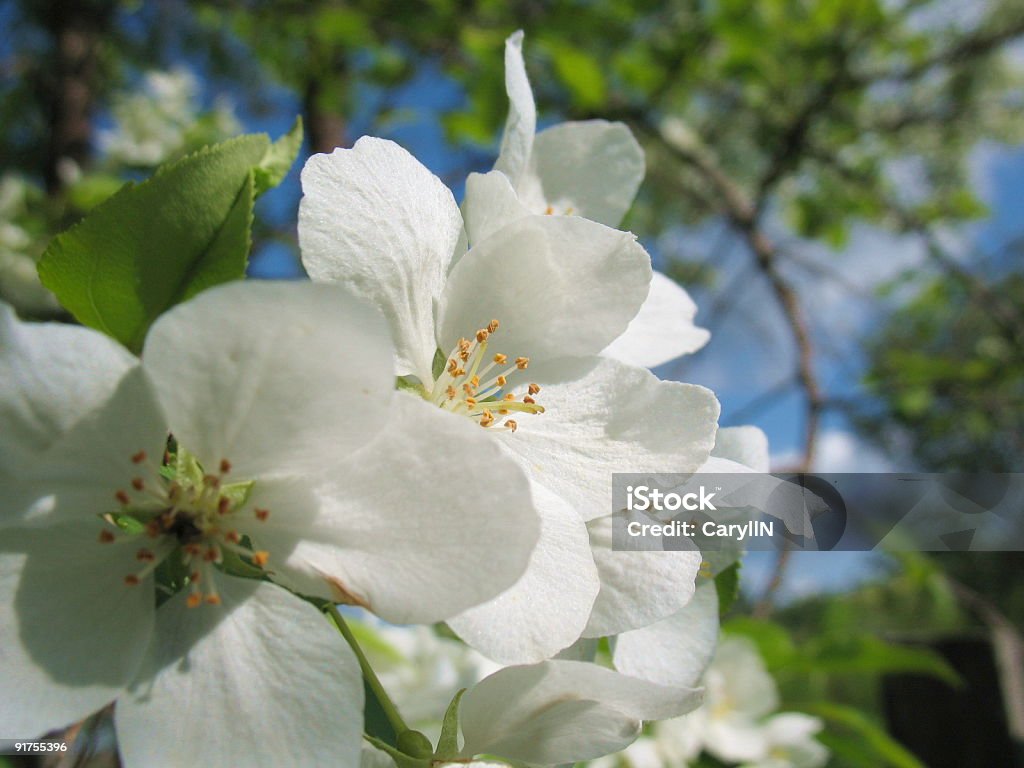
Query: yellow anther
(194, 600)
(486, 419)
(511, 424)
(450, 392)
(453, 366)
(533, 389)
(471, 402)
(549, 210)
(482, 335)
(475, 382)
(528, 400)
(510, 396)
(500, 359)
(260, 558)
(522, 363)
(501, 381)
(468, 389)
(492, 326)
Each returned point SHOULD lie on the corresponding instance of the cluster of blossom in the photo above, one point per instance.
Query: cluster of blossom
(737, 724)
(19, 248)
(159, 120)
(162, 516)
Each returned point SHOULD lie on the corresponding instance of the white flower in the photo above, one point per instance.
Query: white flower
(374, 219)
(294, 453)
(562, 711)
(591, 169)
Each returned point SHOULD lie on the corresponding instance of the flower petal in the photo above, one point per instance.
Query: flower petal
(51, 377)
(547, 609)
(637, 588)
(559, 285)
(261, 680)
(745, 445)
(675, 650)
(521, 123)
(662, 330)
(590, 169)
(603, 416)
(563, 711)
(490, 204)
(72, 633)
(374, 219)
(279, 378)
(417, 534)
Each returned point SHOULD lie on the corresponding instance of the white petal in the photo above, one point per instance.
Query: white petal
(74, 408)
(792, 727)
(373, 218)
(662, 330)
(490, 204)
(51, 377)
(603, 416)
(72, 633)
(548, 607)
(521, 123)
(426, 521)
(744, 445)
(735, 739)
(559, 285)
(81, 473)
(739, 677)
(262, 680)
(562, 711)
(590, 169)
(637, 588)
(676, 650)
(279, 378)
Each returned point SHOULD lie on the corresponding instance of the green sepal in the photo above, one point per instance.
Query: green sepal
(410, 384)
(188, 471)
(401, 759)
(448, 742)
(415, 744)
(438, 365)
(237, 493)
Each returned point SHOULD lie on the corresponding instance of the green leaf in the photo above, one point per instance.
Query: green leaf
(888, 751)
(448, 743)
(155, 244)
(727, 585)
(278, 160)
(415, 744)
(580, 73)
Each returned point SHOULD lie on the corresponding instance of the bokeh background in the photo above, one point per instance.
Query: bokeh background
(840, 186)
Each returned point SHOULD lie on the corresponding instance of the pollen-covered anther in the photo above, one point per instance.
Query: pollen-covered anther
(482, 334)
(106, 537)
(471, 402)
(511, 424)
(260, 558)
(510, 396)
(223, 505)
(453, 366)
(501, 381)
(131, 580)
(225, 466)
(145, 556)
(522, 363)
(533, 389)
(450, 392)
(474, 382)
(123, 498)
(500, 359)
(261, 514)
(493, 326)
(138, 458)
(486, 419)
(194, 600)
(138, 483)
(528, 400)
(468, 388)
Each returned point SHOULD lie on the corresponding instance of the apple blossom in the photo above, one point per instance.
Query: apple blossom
(286, 434)
(515, 326)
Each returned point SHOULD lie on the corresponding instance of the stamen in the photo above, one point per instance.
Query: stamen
(493, 326)
(194, 600)
(511, 424)
(225, 466)
(260, 558)
(533, 389)
(123, 498)
(522, 363)
(138, 458)
(138, 483)
(262, 514)
(486, 419)
(500, 359)
(106, 537)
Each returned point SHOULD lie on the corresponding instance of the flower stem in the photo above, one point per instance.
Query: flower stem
(390, 710)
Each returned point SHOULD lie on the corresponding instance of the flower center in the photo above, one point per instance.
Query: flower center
(470, 385)
(176, 508)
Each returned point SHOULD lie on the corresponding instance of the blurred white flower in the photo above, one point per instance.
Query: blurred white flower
(154, 123)
(283, 396)
(19, 280)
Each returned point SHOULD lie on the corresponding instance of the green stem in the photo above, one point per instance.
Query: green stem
(390, 710)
